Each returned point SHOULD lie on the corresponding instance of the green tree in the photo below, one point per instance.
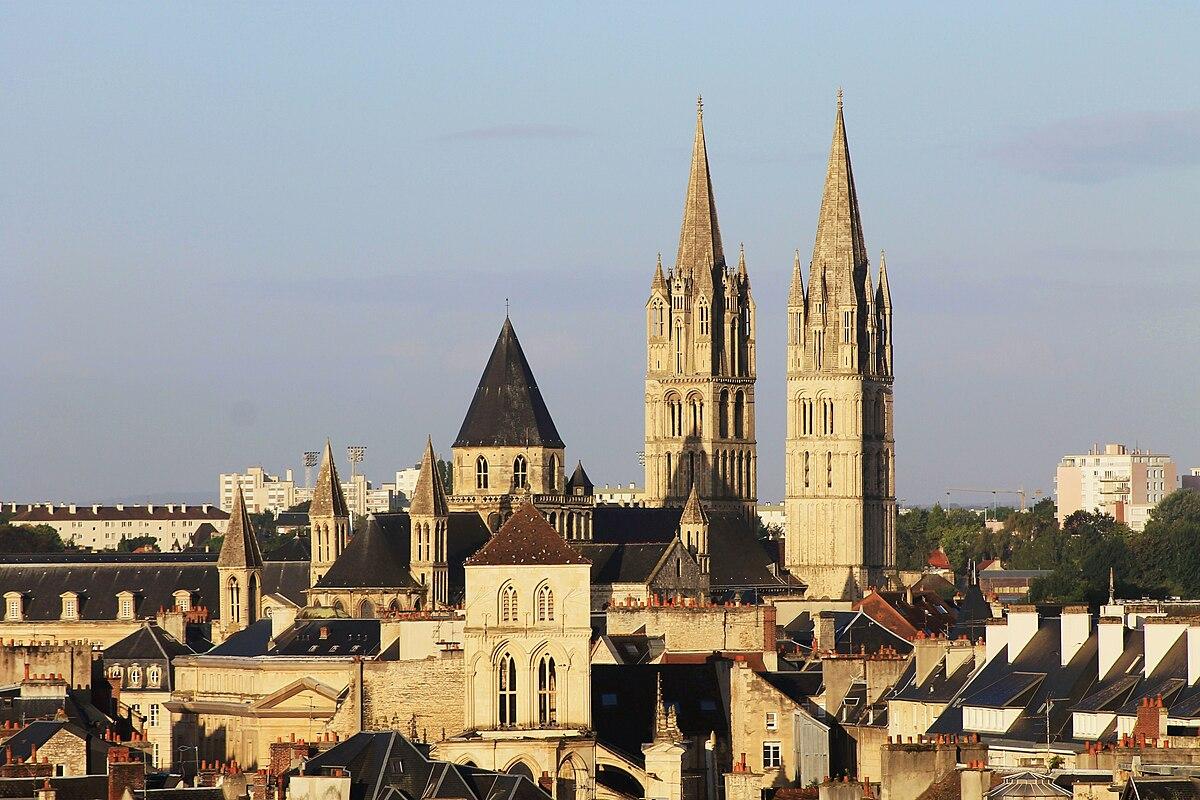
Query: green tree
(134, 542)
(29, 539)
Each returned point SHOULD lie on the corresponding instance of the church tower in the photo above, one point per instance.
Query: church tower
(429, 519)
(239, 568)
(328, 518)
(700, 366)
(840, 470)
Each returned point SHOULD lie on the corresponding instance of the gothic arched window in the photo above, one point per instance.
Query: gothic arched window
(506, 685)
(520, 473)
(739, 414)
(702, 312)
(553, 473)
(723, 415)
(481, 473)
(547, 691)
(508, 603)
(545, 603)
(235, 600)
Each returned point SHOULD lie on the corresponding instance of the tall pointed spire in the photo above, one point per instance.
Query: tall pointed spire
(839, 243)
(700, 236)
(796, 292)
(240, 547)
(745, 276)
(328, 500)
(429, 496)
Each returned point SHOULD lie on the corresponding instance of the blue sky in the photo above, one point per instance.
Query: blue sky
(229, 231)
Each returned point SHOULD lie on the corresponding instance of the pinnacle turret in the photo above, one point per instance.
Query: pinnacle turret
(693, 510)
(240, 548)
(659, 283)
(328, 500)
(796, 292)
(884, 296)
(429, 496)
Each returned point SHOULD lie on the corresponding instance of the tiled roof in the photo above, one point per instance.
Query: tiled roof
(526, 538)
(623, 563)
(508, 409)
(328, 499)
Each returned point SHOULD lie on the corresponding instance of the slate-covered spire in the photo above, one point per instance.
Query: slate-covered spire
(700, 237)
(328, 499)
(796, 292)
(580, 480)
(693, 509)
(429, 496)
(839, 244)
(508, 409)
(240, 548)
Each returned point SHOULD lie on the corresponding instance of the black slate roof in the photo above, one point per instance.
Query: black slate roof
(153, 577)
(293, 548)
(81, 787)
(383, 765)
(329, 637)
(147, 644)
(938, 687)
(374, 559)
(508, 409)
(623, 563)
(738, 561)
(465, 534)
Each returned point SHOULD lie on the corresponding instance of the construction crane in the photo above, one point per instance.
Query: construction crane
(993, 492)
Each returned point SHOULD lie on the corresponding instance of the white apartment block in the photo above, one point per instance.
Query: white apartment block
(97, 527)
(406, 482)
(1114, 480)
(265, 492)
(627, 495)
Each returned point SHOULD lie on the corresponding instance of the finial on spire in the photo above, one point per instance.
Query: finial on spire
(699, 105)
(839, 97)
(506, 308)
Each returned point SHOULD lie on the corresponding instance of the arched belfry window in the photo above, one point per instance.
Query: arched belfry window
(481, 473)
(506, 690)
(679, 347)
(508, 603)
(553, 482)
(235, 600)
(520, 473)
(547, 693)
(545, 603)
(702, 312)
(657, 317)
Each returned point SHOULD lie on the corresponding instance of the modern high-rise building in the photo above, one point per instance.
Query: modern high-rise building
(840, 452)
(700, 363)
(1116, 481)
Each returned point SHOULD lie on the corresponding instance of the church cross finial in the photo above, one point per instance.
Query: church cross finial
(839, 97)
(506, 308)
(700, 105)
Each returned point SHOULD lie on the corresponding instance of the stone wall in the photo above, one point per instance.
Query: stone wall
(433, 689)
(72, 660)
(700, 628)
(68, 750)
(907, 770)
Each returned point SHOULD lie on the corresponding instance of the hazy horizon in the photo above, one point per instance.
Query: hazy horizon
(228, 232)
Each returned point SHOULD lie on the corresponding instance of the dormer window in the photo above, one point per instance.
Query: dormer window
(116, 671)
(14, 607)
(183, 600)
(70, 605)
(124, 605)
(154, 676)
(135, 677)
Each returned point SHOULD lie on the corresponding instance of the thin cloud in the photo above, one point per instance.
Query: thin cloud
(530, 131)
(1104, 147)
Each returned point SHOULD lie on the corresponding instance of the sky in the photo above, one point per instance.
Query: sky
(229, 231)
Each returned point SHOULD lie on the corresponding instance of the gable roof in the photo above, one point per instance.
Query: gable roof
(526, 538)
(508, 409)
(373, 559)
(624, 563)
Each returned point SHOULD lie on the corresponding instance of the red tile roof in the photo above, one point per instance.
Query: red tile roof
(525, 538)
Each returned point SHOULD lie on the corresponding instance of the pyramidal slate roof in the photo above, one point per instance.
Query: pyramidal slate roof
(508, 409)
(328, 500)
(240, 548)
(429, 496)
(372, 560)
(580, 480)
(525, 538)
